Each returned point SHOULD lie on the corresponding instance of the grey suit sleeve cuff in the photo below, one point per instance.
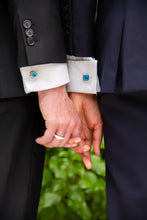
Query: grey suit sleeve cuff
(83, 75)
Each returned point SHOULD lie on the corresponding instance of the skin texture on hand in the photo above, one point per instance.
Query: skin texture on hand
(91, 125)
(60, 117)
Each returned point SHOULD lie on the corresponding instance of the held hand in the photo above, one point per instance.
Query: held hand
(91, 131)
(60, 117)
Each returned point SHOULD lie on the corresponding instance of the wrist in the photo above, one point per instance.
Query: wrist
(57, 90)
(82, 95)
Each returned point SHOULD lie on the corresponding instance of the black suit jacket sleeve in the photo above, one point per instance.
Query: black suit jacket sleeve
(48, 34)
(78, 18)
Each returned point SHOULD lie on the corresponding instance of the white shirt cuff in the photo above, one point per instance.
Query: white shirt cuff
(44, 76)
(83, 75)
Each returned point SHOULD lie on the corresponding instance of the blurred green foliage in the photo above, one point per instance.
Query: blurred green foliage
(71, 192)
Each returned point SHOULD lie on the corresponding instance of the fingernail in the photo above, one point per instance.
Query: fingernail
(74, 145)
(89, 165)
(86, 149)
(77, 140)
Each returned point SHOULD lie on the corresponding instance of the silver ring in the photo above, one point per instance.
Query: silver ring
(58, 137)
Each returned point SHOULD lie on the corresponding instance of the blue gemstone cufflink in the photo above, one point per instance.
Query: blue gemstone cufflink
(33, 74)
(85, 77)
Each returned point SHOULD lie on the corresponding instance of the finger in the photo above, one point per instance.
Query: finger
(86, 157)
(76, 132)
(54, 143)
(73, 143)
(74, 140)
(68, 135)
(70, 145)
(97, 138)
(62, 143)
(78, 147)
(81, 149)
(47, 137)
(66, 146)
(88, 142)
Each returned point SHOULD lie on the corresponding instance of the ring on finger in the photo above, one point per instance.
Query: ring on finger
(58, 137)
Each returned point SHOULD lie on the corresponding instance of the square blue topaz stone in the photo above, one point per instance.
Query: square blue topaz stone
(86, 77)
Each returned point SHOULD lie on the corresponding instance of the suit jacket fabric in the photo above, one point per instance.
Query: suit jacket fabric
(15, 52)
(118, 39)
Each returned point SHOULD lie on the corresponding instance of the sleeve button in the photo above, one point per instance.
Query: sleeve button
(27, 24)
(29, 32)
(30, 41)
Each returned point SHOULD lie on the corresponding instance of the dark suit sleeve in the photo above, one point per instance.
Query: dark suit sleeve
(78, 17)
(47, 43)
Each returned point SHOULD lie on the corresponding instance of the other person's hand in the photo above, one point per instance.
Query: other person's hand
(61, 118)
(91, 122)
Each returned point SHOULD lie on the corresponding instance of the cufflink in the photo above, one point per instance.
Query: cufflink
(27, 24)
(33, 74)
(85, 77)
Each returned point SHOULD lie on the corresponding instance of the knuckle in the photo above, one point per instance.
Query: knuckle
(79, 123)
(72, 124)
(57, 123)
(54, 120)
(64, 122)
(67, 120)
(99, 125)
(64, 143)
(47, 124)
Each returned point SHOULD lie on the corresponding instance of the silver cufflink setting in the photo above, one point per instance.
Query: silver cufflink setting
(29, 32)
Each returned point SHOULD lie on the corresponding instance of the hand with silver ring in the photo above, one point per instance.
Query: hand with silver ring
(73, 142)
(63, 124)
(58, 137)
